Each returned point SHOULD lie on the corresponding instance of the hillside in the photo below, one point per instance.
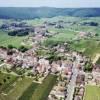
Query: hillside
(29, 13)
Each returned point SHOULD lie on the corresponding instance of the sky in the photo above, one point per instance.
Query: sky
(50, 3)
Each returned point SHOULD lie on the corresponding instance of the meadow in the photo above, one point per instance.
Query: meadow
(43, 90)
(6, 80)
(63, 34)
(92, 93)
(23, 88)
(27, 94)
(89, 47)
(6, 40)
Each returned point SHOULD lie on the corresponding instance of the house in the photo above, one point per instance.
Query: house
(77, 98)
(80, 79)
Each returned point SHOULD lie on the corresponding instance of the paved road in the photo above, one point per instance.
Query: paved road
(72, 84)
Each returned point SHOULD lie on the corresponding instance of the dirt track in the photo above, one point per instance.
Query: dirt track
(96, 58)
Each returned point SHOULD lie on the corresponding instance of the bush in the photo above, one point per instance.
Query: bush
(23, 49)
(10, 47)
(4, 80)
(0, 84)
(8, 77)
(21, 32)
(88, 67)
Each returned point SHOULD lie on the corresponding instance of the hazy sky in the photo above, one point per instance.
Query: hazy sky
(50, 3)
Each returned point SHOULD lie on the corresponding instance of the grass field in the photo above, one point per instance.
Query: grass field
(98, 61)
(25, 89)
(29, 92)
(19, 87)
(90, 47)
(43, 90)
(6, 40)
(64, 34)
(6, 80)
(92, 93)
(12, 87)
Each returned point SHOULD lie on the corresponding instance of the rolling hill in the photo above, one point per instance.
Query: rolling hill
(40, 12)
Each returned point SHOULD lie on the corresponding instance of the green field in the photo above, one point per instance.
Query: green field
(24, 88)
(43, 90)
(98, 61)
(20, 86)
(92, 93)
(6, 40)
(6, 80)
(29, 92)
(89, 47)
(63, 34)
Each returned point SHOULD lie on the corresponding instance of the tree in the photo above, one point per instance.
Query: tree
(10, 46)
(88, 67)
(23, 49)
(0, 84)
(8, 77)
(4, 80)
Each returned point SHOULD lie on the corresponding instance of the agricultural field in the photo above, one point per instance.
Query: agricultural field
(14, 87)
(15, 90)
(6, 40)
(29, 92)
(63, 35)
(23, 88)
(88, 47)
(92, 93)
(20, 86)
(72, 28)
(43, 90)
(6, 80)
(71, 31)
(98, 61)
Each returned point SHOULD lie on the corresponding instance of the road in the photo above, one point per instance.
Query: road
(72, 84)
(96, 58)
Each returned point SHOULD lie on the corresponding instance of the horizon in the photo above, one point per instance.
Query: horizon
(51, 3)
(56, 7)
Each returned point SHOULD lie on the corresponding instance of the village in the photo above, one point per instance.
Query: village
(59, 60)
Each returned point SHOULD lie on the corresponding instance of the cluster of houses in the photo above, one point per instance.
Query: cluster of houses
(41, 65)
(23, 26)
(13, 26)
(80, 87)
(93, 78)
(86, 34)
(42, 29)
(59, 24)
(96, 73)
(29, 59)
(59, 91)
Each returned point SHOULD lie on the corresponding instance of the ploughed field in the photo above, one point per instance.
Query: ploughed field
(23, 88)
